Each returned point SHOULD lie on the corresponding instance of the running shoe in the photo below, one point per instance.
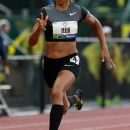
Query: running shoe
(79, 104)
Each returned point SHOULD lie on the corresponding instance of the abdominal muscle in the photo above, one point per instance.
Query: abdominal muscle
(60, 49)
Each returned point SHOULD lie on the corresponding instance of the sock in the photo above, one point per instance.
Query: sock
(72, 100)
(56, 116)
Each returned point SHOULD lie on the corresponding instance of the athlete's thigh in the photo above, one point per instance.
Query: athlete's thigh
(64, 80)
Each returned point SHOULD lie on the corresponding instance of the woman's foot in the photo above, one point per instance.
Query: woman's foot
(79, 103)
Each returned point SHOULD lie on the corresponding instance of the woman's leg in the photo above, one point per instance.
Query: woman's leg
(66, 103)
(63, 82)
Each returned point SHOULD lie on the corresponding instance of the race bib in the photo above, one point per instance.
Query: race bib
(65, 29)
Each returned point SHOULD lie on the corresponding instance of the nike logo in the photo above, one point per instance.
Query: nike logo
(68, 65)
(72, 13)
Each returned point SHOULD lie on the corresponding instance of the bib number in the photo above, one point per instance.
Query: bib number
(65, 29)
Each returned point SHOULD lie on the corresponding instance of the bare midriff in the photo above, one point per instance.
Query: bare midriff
(60, 49)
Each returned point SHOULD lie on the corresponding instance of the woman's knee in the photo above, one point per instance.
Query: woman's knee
(57, 94)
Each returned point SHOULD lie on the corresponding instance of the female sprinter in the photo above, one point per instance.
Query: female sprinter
(60, 22)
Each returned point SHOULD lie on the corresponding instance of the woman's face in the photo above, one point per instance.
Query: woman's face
(61, 1)
(6, 28)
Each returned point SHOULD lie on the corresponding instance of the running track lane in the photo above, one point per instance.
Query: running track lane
(107, 119)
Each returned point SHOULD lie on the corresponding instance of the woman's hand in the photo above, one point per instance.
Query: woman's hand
(41, 22)
(38, 27)
(106, 58)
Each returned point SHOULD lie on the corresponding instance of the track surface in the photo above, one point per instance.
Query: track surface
(107, 119)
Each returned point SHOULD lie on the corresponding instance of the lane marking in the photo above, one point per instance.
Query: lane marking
(68, 121)
(9, 127)
(106, 127)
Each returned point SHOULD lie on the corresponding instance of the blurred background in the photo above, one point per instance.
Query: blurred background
(22, 88)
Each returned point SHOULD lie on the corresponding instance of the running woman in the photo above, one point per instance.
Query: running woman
(60, 22)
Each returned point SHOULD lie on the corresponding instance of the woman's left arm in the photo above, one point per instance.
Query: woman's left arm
(93, 21)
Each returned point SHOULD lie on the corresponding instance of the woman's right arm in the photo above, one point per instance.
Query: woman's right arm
(38, 27)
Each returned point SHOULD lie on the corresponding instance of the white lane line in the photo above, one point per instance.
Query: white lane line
(9, 127)
(106, 127)
(65, 121)
(91, 119)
